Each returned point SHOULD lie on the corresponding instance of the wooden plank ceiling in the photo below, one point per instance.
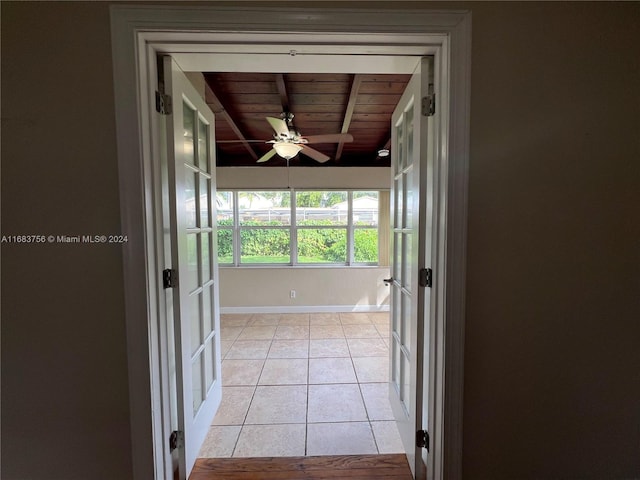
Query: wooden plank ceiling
(322, 104)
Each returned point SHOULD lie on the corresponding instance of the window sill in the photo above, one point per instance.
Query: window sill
(297, 267)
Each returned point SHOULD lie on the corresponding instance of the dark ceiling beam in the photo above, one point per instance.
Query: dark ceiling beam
(218, 108)
(348, 115)
(282, 90)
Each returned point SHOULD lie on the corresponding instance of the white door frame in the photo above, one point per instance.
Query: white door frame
(138, 34)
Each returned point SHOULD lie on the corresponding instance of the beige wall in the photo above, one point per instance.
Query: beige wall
(552, 364)
(304, 177)
(65, 398)
(552, 377)
(317, 289)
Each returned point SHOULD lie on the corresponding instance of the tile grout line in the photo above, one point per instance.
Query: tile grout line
(364, 404)
(255, 389)
(308, 378)
(306, 418)
(373, 433)
(235, 445)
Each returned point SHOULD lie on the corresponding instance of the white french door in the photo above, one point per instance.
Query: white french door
(191, 165)
(411, 250)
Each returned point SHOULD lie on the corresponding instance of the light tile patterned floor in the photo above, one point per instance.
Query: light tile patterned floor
(303, 384)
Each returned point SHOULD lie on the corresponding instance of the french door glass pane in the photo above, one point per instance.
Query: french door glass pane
(205, 185)
(196, 386)
(399, 197)
(406, 383)
(190, 197)
(195, 314)
(408, 198)
(322, 245)
(205, 240)
(399, 148)
(397, 262)
(406, 321)
(203, 145)
(397, 310)
(409, 130)
(191, 282)
(207, 310)
(210, 371)
(188, 119)
(397, 360)
(407, 263)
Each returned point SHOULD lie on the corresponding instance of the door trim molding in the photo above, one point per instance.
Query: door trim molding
(138, 33)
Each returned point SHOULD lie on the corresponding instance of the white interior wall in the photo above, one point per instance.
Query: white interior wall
(318, 289)
(375, 178)
(247, 289)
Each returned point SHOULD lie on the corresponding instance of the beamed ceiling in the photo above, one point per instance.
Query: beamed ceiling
(324, 103)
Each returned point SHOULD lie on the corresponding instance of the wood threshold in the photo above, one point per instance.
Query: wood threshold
(354, 467)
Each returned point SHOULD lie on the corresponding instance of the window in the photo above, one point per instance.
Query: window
(321, 226)
(298, 227)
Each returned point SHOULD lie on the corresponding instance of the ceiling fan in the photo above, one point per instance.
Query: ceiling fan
(288, 142)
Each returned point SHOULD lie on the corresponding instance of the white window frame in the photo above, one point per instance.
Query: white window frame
(140, 33)
(294, 228)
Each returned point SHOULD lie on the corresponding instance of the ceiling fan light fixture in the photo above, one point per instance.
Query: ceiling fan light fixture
(287, 150)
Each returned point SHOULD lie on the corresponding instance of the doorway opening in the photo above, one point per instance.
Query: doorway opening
(140, 34)
(307, 240)
(307, 383)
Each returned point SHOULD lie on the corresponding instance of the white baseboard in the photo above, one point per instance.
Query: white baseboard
(307, 309)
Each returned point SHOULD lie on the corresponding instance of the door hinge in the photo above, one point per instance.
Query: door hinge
(422, 439)
(163, 103)
(429, 105)
(426, 277)
(176, 440)
(169, 278)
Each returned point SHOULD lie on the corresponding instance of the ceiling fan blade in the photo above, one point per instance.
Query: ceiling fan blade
(279, 126)
(266, 156)
(330, 138)
(315, 154)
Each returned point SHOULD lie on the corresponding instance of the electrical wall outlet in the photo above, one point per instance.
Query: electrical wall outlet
(292, 294)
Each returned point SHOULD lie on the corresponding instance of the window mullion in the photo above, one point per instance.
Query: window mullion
(236, 229)
(293, 233)
(350, 236)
